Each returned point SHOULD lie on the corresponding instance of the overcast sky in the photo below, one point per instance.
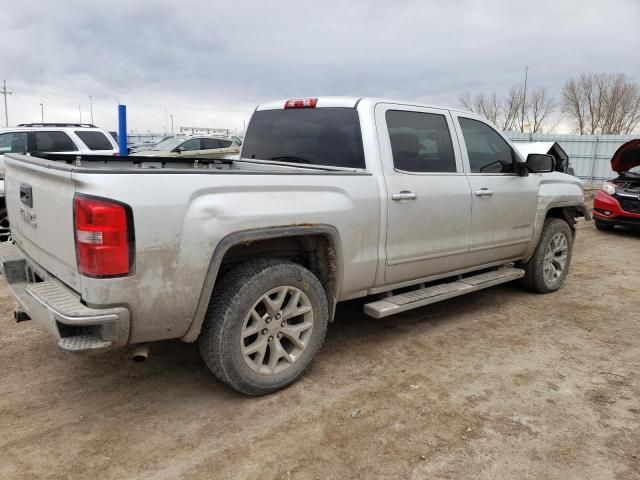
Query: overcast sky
(210, 62)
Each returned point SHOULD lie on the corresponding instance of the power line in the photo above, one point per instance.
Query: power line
(5, 93)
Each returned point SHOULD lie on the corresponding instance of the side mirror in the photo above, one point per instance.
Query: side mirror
(540, 163)
(178, 149)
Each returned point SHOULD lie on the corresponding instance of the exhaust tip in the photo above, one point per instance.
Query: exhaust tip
(141, 352)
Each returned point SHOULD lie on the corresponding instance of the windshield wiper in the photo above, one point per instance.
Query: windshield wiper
(635, 174)
(286, 158)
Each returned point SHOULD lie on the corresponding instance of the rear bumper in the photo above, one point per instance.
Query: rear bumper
(607, 209)
(58, 309)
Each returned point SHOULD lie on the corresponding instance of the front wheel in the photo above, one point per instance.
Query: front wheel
(548, 266)
(265, 324)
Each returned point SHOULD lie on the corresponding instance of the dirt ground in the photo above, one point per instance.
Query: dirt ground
(501, 384)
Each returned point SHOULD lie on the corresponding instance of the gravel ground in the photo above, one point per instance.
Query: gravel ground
(500, 384)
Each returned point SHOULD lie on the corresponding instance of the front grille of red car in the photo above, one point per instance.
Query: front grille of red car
(628, 204)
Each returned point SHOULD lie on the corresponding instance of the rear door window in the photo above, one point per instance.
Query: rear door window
(315, 136)
(52, 141)
(13, 142)
(420, 142)
(94, 140)
(210, 144)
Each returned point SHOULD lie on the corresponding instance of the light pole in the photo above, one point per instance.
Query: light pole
(42, 112)
(524, 97)
(171, 122)
(80, 112)
(91, 108)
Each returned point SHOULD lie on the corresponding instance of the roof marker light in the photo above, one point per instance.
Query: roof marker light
(301, 103)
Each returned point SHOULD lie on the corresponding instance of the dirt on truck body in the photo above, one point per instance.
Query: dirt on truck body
(502, 385)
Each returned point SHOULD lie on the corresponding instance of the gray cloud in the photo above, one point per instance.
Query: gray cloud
(211, 62)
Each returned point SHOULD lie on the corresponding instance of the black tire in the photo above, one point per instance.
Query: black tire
(5, 232)
(237, 294)
(602, 225)
(535, 279)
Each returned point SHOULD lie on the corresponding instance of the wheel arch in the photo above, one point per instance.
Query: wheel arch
(316, 247)
(565, 211)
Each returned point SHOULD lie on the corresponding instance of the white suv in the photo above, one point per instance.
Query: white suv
(32, 138)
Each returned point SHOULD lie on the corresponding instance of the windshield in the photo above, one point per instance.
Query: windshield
(169, 143)
(312, 136)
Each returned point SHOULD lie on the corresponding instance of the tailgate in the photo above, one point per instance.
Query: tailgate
(40, 207)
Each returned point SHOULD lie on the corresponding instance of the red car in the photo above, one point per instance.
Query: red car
(618, 203)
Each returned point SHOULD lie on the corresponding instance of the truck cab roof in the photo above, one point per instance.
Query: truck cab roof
(345, 102)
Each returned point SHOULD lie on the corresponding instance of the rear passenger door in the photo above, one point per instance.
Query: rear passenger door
(504, 203)
(428, 195)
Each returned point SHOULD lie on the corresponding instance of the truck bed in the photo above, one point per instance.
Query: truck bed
(181, 212)
(141, 164)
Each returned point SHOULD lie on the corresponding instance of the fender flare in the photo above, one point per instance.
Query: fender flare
(579, 206)
(248, 236)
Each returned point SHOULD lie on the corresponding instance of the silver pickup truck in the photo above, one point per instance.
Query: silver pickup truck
(332, 199)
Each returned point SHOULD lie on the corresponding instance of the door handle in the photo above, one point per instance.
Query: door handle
(483, 192)
(404, 195)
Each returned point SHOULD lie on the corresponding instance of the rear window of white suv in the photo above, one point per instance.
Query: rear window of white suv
(94, 140)
(313, 136)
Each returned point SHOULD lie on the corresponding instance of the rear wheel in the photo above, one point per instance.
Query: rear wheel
(600, 225)
(266, 322)
(548, 266)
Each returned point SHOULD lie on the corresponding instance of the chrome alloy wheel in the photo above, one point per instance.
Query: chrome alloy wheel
(555, 258)
(276, 330)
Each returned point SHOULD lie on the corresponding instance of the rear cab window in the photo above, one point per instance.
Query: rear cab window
(312, 136)
(94, 140)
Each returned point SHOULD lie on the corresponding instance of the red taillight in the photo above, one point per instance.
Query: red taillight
(104, 237)
(301, 103)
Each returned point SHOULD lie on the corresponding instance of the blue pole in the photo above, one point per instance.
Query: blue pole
(122, 129)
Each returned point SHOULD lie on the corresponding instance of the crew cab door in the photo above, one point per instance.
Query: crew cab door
(428, 195)
(504, 203)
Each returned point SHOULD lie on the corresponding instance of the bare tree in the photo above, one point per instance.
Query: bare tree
(503, 112)
(540, 106)
(602, 103)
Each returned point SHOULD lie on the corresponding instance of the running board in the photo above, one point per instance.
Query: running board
(425, 296)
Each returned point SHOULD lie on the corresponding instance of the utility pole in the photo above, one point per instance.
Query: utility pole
(172, 123)
(42, 112)
(524, 97)
(5, 93)
(91, 108)
(80, 112)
